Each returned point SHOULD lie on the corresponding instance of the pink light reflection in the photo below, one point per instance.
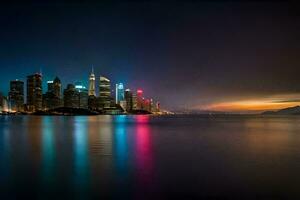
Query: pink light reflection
(144, 154)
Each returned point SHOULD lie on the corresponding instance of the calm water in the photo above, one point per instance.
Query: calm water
(143, 157)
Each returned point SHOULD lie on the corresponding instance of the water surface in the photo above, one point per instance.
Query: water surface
(149, 157)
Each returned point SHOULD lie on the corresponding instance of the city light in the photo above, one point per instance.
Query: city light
(139, 91)
(75, 96)
(79, 87)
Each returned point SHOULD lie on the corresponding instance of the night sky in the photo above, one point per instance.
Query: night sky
(230, 56)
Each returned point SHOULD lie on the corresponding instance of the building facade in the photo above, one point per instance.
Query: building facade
(104, 100)
(52, 98)
(4, 104)
(119, 93)
(70, 96)
(139, 99)
(34, 92)
(83, 96)
(16, 95)
(134, 101)
(129, 100)
(92, 84)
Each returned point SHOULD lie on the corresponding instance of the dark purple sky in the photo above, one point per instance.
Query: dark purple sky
(186, 55)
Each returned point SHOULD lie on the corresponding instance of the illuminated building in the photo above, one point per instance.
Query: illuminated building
(57, 87)
(104, 93)
(76, 96)
(4, 104)
(147, 104)
(128, 99)
(71, 96)
(52, 98)
(134, 101)
(34, 92)
(92, 83)
(151, 105)
(119, 93)
(140, 100)
(50, 85)
(82, 95)
(16, 95)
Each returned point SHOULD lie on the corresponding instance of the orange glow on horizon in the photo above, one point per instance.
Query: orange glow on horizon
(256, 105)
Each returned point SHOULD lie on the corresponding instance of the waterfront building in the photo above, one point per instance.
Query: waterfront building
(151, 105)
(119, 93)
(4, 104)
(134, 101)
(82, 95)
(57, 87)
(92, 102)
(128, 99)
(34, 92)
(140, 100)
(92, 83)
(50, 86)
(104, 100)
(52, 98)
(16, 95)
(71, 96)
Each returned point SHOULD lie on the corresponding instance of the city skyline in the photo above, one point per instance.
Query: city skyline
(149, 99)
(56, 99)
(237, 56)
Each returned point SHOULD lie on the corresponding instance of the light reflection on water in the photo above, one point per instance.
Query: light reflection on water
(48, 150)
(148, 157)
(81, 156)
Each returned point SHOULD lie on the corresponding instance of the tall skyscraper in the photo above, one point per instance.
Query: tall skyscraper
(134, 101)
(57, 87)
(52, 98)
(16, 95)
(129, 100)
(34, 92)
(50, 86)
(82, 95)
(71, 96)
(104, 93)
(140, 99)
(92, 83)
(119, 93)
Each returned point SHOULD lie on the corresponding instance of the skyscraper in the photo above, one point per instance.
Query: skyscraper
(52, 98)
(104, 93)
(134, 101)
(16, 95)
(34, 92)
(119, 93)
(140, 100)
(50, 86)
(71, 96)
(82, 95)
(92, 81)
(129, 100)
(57, 87)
